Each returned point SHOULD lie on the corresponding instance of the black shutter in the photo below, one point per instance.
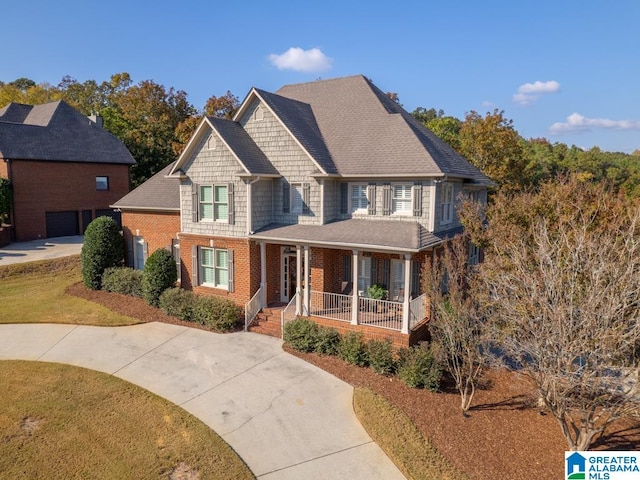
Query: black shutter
(231, 218)
(306, 197)
(386, 278)
(387, 199)
(195, 202)
(346, 268)
(371, 195)
(230, 270)
(286, 197)
(417, 200)
(415, 279)
(344, 198)
(130, 253)
(374, 271)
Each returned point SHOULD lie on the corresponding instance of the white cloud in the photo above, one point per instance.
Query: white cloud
(578, 123)
(529, 92)
(300, 60)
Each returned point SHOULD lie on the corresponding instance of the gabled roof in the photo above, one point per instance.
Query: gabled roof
(57, 132)
(367, 134)
(157, 193)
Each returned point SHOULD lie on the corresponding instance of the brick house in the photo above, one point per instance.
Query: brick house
(65, 169)
(311, 195)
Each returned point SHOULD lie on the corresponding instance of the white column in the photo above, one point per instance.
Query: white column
(407, 293)
(298, 280)
(263, 274)
(354, 290)
(307, 281)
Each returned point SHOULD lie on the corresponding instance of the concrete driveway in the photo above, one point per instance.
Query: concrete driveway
(20, 252)
(286, 418)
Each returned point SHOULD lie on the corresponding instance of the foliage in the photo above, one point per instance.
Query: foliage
(418, 368)
(560, 282)
(218, 314)
(178, 302)
(353, 349)
(327, 341)
(124, 280)
(103, 248)
(159, 274)
(6, 199)
(301, 334)
(376, 292)
(381, 357)
(458, 329)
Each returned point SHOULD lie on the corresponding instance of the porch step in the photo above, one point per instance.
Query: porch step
(267, 322)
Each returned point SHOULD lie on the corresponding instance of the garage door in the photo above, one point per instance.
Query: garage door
(62, 224)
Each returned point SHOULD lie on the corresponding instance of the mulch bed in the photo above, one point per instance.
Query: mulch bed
(504, 437)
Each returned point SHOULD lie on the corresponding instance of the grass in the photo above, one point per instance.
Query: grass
(34, 292)
(58, 421)
(400, 439)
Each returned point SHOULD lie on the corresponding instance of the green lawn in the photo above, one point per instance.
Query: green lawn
(58, 421)
(35, 293)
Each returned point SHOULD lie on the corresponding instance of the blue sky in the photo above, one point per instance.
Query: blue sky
(565, 70)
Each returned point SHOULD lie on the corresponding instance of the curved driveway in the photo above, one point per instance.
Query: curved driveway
(286, 418)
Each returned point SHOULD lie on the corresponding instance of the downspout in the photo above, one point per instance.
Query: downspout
(250, 205)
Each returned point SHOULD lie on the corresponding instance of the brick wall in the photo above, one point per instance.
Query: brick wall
(40, 187)
(157, 229)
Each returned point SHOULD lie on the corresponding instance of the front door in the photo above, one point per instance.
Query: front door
(288, 275)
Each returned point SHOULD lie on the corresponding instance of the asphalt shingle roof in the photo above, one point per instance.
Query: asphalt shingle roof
(157, 193)
(57, 132)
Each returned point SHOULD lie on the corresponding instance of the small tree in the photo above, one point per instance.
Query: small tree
(6, 199)
(159, 274)
(457, 330)
(103, 248)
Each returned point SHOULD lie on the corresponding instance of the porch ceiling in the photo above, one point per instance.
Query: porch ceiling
(386, 235)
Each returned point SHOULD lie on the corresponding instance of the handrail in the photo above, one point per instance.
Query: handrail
(251, 309)
(417, 310)
(286, 312)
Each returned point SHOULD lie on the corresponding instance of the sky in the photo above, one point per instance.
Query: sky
(565, 70)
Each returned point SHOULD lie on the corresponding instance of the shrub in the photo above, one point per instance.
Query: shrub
(178, 302)
(159, 274)
(353, 349)
(327, 341)
(103, 248)
(301, 334)
(381, 356)
(218, 314)
(123, 280)
(418, 368)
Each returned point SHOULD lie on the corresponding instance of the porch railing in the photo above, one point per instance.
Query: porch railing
(335, 306)
(380, 313)
(289, 312)
(417, 310)
(251, 308)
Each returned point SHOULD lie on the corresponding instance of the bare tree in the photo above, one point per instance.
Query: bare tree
(457, 329)
(562, 277)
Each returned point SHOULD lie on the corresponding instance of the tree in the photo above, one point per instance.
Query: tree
(424, 116)
(457, 329)
(6, 199)
(493, 145)
(224, 106)
(561, 280)
(448, 129)
(103, 248)
(159, 274)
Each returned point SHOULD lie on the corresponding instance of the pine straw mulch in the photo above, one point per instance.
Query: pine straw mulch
(504, 437)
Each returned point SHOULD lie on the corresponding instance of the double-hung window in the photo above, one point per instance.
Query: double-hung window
(401, 202)
(364, 274)
(359, 200)
(214, 203)
(297, 198)
(214, 267)
(446, 201)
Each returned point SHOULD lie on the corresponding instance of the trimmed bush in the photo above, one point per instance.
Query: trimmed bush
(123, 280)
(418, 368)
(353, 349)
(218, 314)
(381, 356)
(103, 248)
(159, 274)
(178, 302)
(327, 341)
(301, 334)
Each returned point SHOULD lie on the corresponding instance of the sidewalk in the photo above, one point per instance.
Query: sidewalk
(287, 419)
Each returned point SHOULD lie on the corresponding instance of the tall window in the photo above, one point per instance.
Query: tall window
(446, 201)
(359, 201)
(214, 202)
(364, 274)
(402, 199)
(214, 267)
(206, 202)
(296, 197)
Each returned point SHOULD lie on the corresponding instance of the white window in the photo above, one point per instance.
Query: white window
(446, 201)
(175, 251)
(139, 253)
(296, 197)
(358, 198)
(397, 280)
(364, 274)
(206, 202)
(214, 267)
(402, 199)
(214, 202)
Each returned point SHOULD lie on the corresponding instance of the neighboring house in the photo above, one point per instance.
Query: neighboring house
(64, 168)
(311, 195)
(151, 218)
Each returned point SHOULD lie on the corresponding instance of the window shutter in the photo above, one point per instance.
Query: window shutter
(387, 199)
(346, 268)
(130, 253)
(374, 271)
(415, 279)
(344, 198)
(417, 200)
(371, 195)
(231, 217)
(386, 279)
(145, 251)
(306, 197)
(195, 266)
(230, 270)
(195, 202)
(286, 197)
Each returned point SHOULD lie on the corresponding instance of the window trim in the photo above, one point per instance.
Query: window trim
(213, 203)
(215, 268)
(409, 201)
(446, 203)
(224, 202)
(293, 190)
(365, 190)
(106, 183)
(211, 142)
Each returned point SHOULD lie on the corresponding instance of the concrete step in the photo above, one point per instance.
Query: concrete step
(267, 322)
